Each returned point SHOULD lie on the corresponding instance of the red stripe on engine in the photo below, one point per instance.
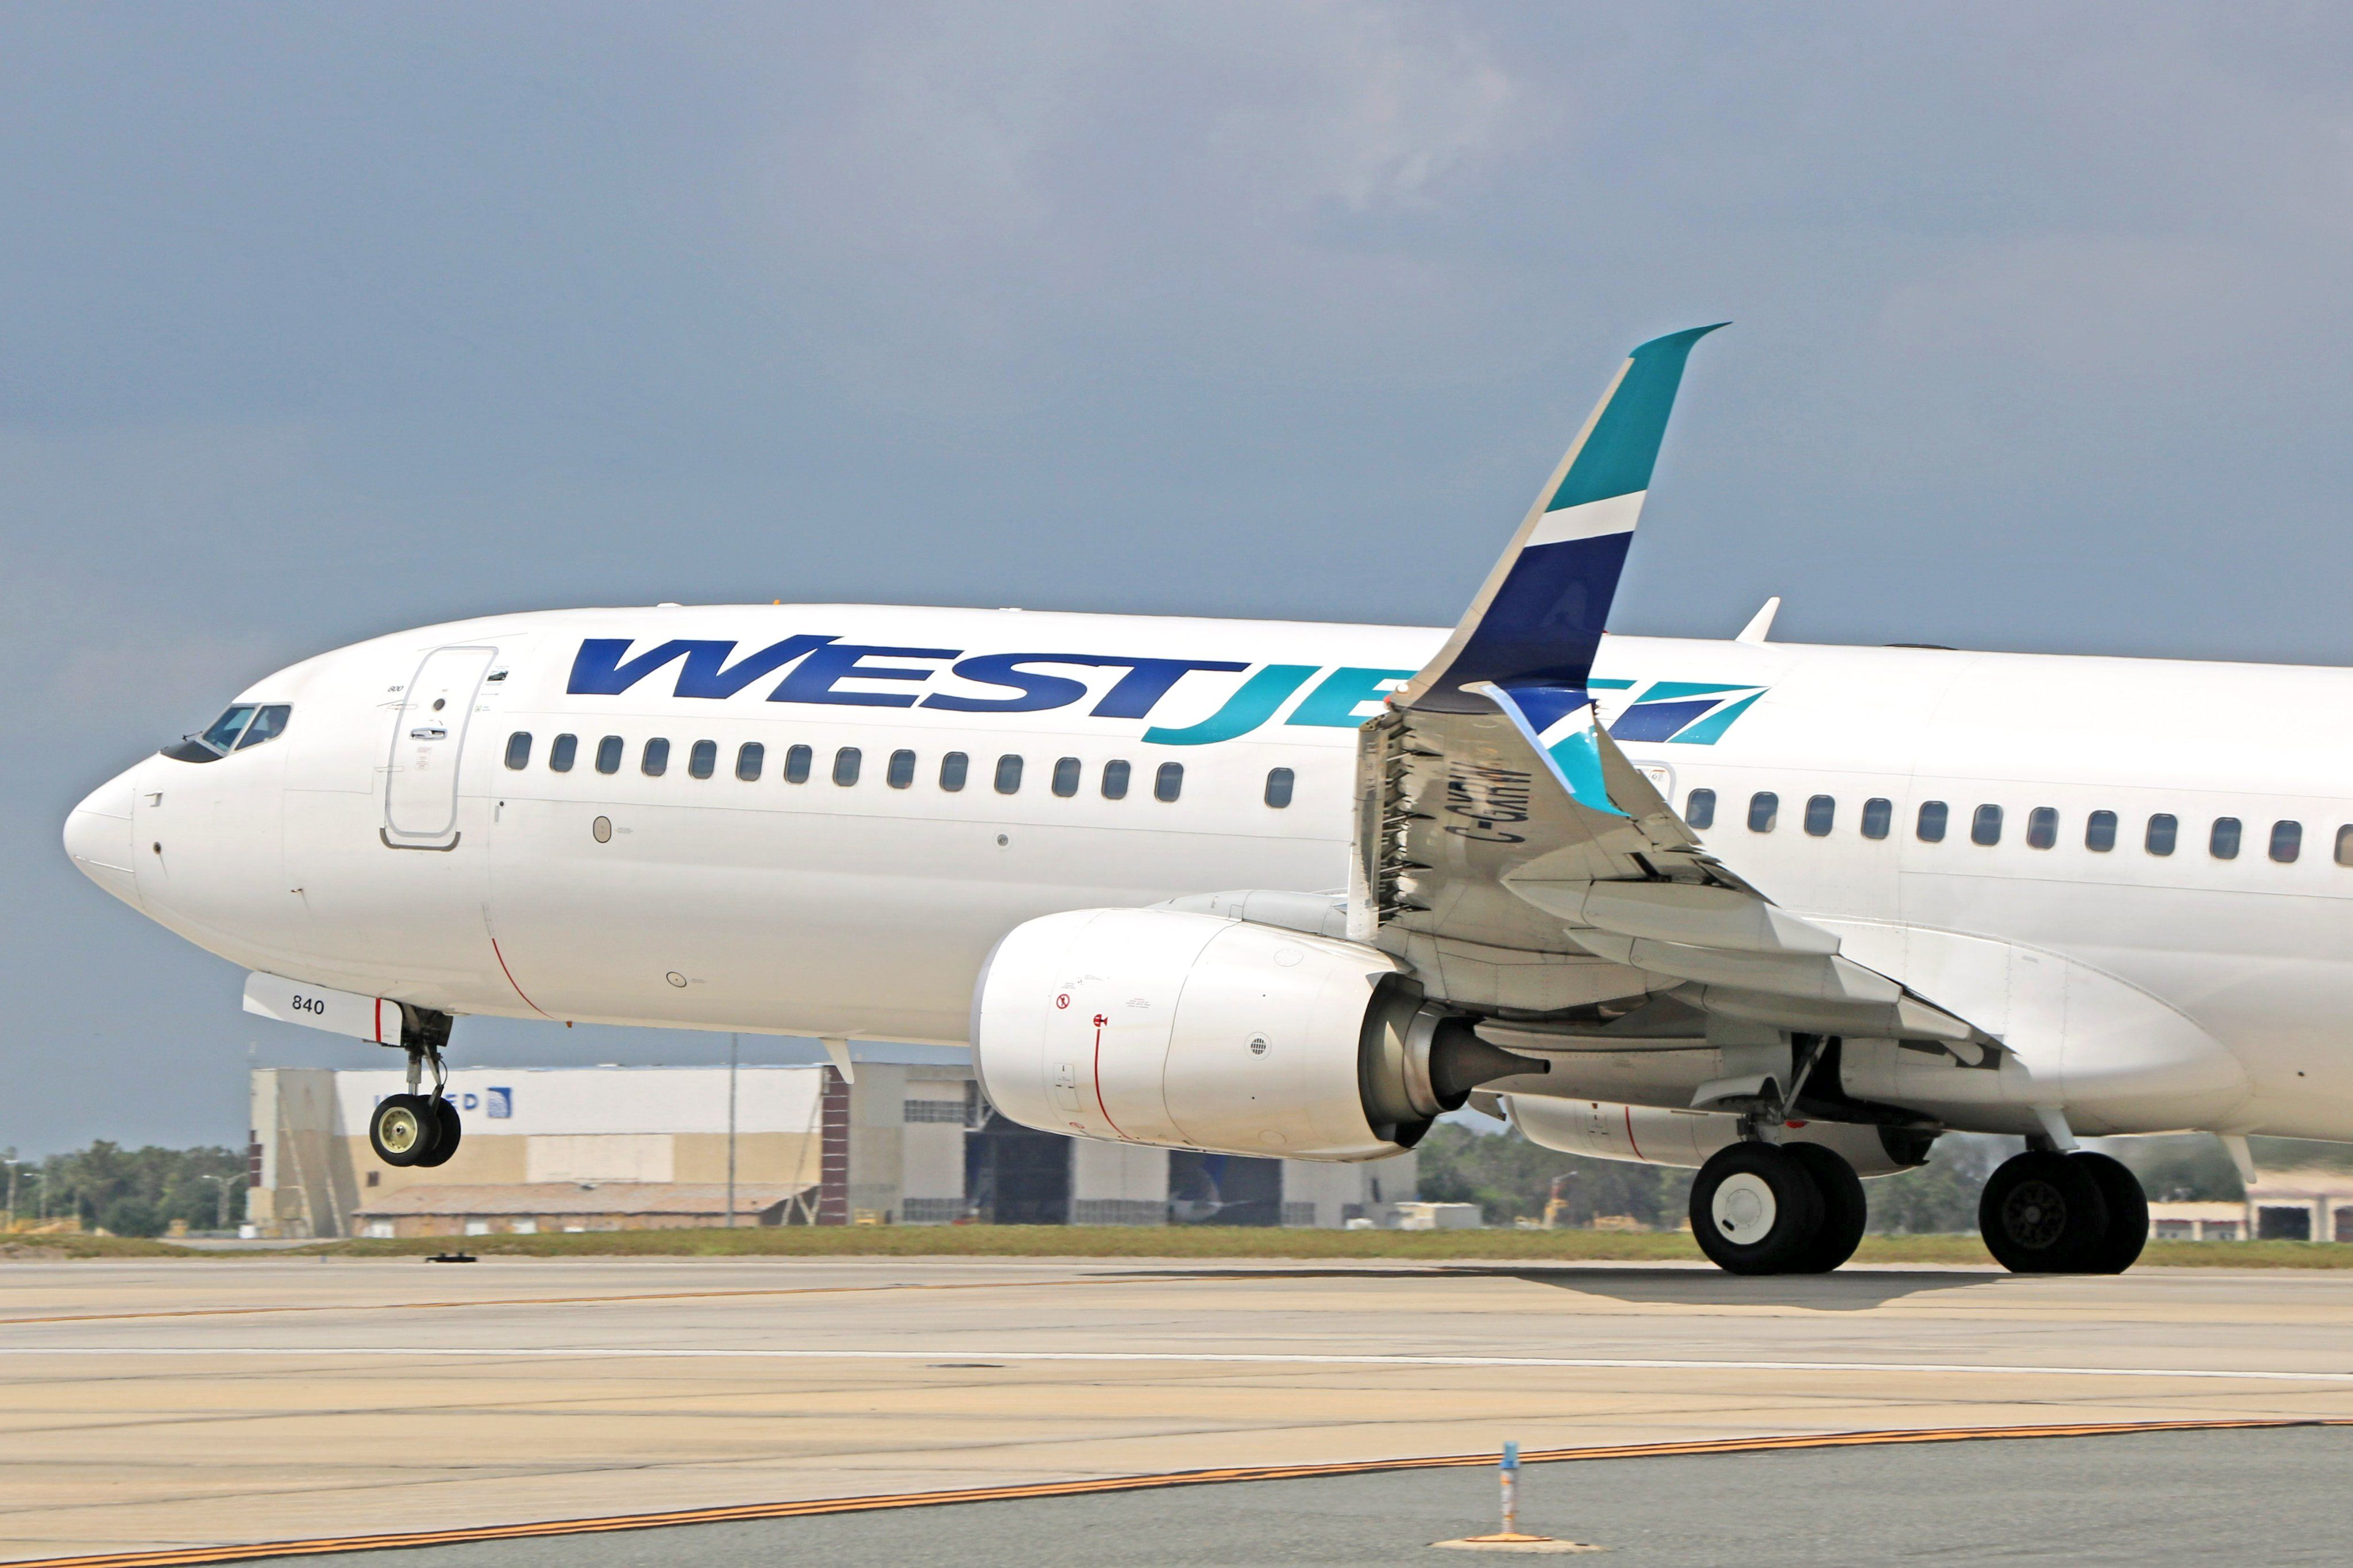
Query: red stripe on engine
(1630, 1136)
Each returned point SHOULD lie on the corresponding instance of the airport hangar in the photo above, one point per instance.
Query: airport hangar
(612, 1148)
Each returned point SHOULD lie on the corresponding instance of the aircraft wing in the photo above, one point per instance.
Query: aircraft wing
(1508, 850)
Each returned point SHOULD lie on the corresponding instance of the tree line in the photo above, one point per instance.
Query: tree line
(131, 1191)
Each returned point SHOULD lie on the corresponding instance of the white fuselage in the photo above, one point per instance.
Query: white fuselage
(867, 909)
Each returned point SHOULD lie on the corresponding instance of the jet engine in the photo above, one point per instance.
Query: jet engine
(1654, 1135)
(1191, 1031)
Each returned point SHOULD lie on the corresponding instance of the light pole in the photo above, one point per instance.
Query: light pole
(220, 1194)
(731, 1130)
(12, 1163)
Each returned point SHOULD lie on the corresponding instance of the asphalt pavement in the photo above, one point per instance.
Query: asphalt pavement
(2273, 1496)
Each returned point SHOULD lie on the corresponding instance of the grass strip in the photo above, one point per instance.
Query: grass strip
(1148, 1241)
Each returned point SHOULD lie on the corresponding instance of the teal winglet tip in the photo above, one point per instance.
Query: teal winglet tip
(1676, 342)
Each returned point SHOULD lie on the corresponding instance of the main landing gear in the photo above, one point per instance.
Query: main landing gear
(415, 1129)
(2048, 1213)
(1777, 1209)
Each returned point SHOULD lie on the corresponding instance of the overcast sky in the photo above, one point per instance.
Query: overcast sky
(321, 322)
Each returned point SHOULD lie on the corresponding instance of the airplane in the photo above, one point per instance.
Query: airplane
(1782, 914)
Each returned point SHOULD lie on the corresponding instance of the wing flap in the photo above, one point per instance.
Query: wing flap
(1510, 852)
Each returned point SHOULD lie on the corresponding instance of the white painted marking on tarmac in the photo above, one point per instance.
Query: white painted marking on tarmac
(1236, 1358)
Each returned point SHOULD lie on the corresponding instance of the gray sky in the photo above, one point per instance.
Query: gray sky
(319, 321)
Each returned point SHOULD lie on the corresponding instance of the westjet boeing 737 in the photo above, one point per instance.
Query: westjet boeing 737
(1785, 914)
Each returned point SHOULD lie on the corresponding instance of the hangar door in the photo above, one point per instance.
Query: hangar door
(428, 736)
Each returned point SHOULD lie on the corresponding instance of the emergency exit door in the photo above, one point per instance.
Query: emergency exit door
(428, 736)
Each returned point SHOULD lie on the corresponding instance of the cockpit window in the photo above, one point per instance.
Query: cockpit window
(267, 725)
(244, 724)
(222, 737)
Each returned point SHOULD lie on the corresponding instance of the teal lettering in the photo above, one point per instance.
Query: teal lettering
(1334, 703)
(1245, 710)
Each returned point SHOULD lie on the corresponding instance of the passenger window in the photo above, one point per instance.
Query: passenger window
(901, 771)
(2287, 841)
(750, 758)
(1930, 829)
(1821, 811)
(953, 769)
(519, 749)
(1278, 787)
(2162, 829)
(1066, 776)
(269, 723)
(2222, 840)
(1170, 782)
(656, 760)
(703, 760)
(2100, 832)
(1763, 807)
(1878, 816)
(1009, 774)
(2345, 844)
(1985, 827)
(2042, 827)
(563, 754)
(796, 765)
(609, 754)
(1115, 781)
(845, 766)
(1699, 808)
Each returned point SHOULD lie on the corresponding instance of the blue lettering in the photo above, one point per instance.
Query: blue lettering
(597, 670)
(707, 677)
(1148, 680)
(813, 680)
(1039, 692)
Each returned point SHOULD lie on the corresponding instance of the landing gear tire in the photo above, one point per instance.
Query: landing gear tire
(2127, 1230)
(447, 1131)
(1845, 1210)
(403, 1130)
(1755, 1210)
(2042, 1213)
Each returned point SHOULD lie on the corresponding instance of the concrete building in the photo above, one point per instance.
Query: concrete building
(2314, 1205)
(441, 1208)
(2193, 1221)
(628, 1148)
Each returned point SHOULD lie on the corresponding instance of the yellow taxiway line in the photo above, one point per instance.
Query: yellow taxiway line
(185, 1556)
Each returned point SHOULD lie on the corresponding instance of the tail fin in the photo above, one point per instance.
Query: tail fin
(1539, 617)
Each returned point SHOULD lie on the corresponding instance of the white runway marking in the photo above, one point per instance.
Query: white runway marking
(1237, 1358)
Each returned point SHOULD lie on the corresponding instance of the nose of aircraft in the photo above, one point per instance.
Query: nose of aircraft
(97, 837)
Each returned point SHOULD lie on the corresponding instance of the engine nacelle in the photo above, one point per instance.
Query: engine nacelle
(1192, 1031)
(1654, 1135)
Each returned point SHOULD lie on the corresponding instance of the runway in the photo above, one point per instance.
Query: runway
(187, 1405)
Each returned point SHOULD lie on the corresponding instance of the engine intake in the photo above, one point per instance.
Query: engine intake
(1192, 1031)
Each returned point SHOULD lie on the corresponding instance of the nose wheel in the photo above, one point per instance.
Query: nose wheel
(417, 1129)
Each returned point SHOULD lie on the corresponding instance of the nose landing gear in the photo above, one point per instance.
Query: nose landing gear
(415, 1129)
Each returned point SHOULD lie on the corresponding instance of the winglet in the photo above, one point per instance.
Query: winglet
(1539, 616)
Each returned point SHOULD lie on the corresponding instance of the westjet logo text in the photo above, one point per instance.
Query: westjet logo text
(825, 670)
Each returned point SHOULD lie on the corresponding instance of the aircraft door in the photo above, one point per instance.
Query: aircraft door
(428, 736)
